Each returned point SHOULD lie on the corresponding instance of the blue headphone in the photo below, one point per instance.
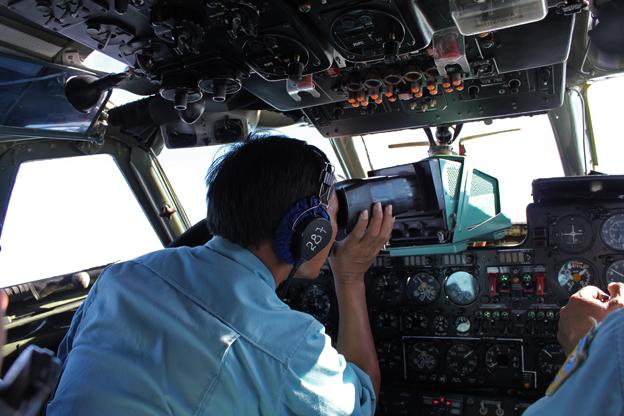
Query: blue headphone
(306, 229)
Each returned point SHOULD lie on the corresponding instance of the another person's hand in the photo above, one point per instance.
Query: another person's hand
(575, 318)
(355, 254)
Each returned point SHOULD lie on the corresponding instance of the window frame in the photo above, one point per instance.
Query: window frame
(139, 167)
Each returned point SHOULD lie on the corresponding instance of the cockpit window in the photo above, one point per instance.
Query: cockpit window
(186, 169)
(515, 151)
(70, 214)
(606, 113)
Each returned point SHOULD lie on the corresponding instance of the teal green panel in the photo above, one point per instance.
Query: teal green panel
(451, 248)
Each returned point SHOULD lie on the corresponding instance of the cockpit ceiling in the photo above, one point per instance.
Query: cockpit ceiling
(379, 65)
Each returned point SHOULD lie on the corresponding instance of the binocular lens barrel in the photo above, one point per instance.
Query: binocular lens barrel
(357, 195)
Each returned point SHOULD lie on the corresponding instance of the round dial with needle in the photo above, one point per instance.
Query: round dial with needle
(612, 232)
(462, 288)
(573, 233)
(415, 322)
(386, 321)
(462, 325)
(501, 358)
(422, 289)
(387, 289)
(615, 272)
(461, 359)
(574, 275)
(390, 356)
(316, 302)
(423, 357)
(440, 324)
(550, 358)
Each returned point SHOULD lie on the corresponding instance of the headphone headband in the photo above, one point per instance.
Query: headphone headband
(327, 181)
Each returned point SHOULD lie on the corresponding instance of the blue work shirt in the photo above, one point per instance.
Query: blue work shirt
(596, 386)
(201, 331)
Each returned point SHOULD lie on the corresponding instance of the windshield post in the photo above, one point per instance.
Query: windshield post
(567, 124)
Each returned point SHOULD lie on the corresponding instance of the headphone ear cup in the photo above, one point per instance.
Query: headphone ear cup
(312, 236)
(291, 246)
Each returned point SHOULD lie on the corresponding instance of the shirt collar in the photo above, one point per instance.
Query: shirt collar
(243, 257)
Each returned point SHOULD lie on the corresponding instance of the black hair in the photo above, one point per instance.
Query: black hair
(253, 186)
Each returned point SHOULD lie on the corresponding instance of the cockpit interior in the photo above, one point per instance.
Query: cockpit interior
(465, 299)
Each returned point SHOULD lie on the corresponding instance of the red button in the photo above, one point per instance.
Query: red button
(492, 278)
(539, 283)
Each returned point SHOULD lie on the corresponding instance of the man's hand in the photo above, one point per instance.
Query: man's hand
(589, 302)
(355, 254)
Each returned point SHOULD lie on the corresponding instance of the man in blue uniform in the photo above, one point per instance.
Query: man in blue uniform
(591, 333)
(201, 331)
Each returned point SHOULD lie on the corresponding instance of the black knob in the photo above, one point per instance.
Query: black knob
(295, 70)
(219, 93)
(180, 100)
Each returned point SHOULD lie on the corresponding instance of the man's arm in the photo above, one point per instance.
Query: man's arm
(584, 307)
(595, 384)
(592, 379)
(352, 258)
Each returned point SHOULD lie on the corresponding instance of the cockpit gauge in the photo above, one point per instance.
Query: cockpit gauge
(462, 325)
(387, 288)
(549, 359)
(461, 359)
(461, 288)
(574, 275)
(423, 357)
(612, 231)
(386, 321)
(390, 356)
(440, 324)
(500, 358)
(316, 302)
(415, 322)
(573, 233)
(615, 272)
(422, 289)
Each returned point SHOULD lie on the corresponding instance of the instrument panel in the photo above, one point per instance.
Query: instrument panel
(460, 333)
(483, 320)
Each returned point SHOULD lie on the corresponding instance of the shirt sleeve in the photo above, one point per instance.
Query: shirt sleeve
(596, 387)
(320, 381)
